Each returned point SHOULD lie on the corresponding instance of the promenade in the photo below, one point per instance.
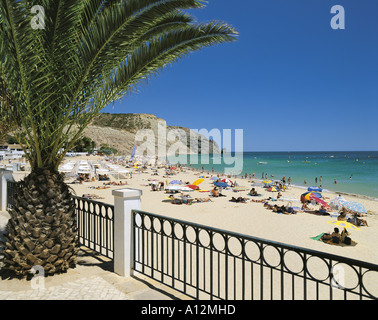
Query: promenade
(92, 279)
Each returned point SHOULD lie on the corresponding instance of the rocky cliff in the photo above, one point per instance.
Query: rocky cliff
(146, 132)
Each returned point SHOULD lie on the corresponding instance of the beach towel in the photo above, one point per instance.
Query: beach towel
(318, 237)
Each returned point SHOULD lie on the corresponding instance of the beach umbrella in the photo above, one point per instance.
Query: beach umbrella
(173, 168)
(320, 201)
(307, 196)
(198, 181)
(176, 182)
(172, 188)
(337, 203)
(354, 206)
(221, 184)
(178, 188)
(226, 180)
(272, 189)
(214, 178)
(344, 224)
(314, 189)
(194, 187)
(267, 181)
(185, 189)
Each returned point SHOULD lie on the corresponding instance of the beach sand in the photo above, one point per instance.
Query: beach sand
(244, 218)
(248, 218)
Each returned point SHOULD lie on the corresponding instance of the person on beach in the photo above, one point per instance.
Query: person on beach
(216, 193)
(335, 181)
(239, 199)
(323, 211)
(335, 236)
(289, 181)
(357, 221)
(342, 216)
(305, 206)
(253, 192)
(345, 237)
(175, 200)
(203, 199)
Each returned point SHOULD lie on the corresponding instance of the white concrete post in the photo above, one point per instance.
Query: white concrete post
(125, 200)
(5, 175)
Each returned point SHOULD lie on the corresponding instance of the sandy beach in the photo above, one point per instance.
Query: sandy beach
(248, 218)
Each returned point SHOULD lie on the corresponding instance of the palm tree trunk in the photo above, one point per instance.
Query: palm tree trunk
(42, 227)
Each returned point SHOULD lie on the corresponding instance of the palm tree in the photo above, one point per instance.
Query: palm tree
(55, 79)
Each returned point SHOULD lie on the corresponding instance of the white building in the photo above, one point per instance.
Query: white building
(11, 152)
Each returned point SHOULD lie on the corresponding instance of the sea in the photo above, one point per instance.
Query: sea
(350, 172)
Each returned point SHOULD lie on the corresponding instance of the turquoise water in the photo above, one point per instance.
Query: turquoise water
(355, 172)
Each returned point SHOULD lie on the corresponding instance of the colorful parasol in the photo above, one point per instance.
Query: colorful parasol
(308, 196)
(198, 181)
(344, 224)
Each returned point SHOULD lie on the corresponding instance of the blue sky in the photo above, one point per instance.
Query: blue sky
(291, 82)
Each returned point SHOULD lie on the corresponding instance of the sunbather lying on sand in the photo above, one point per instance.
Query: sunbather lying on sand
(203, 200)
(239, 199)
(351, 218)
(335, 236)
(113, 183)
(260, 200)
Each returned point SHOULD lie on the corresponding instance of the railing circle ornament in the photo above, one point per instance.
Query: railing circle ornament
(147, 222)
(191, 234)
(271, 256)
(219, 242)
(318, 268)
(204, 238)
(167, 228)
(253, 251)
(179, 231)
(344, 276)
(234, 246)
(156, 225)
(293, 262)
(369, 283)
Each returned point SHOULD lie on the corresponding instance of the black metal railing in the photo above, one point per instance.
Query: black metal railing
(95, 223)
(208, 263)
(11, 190)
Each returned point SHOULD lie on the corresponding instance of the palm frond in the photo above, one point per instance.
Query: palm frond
(54, 81)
